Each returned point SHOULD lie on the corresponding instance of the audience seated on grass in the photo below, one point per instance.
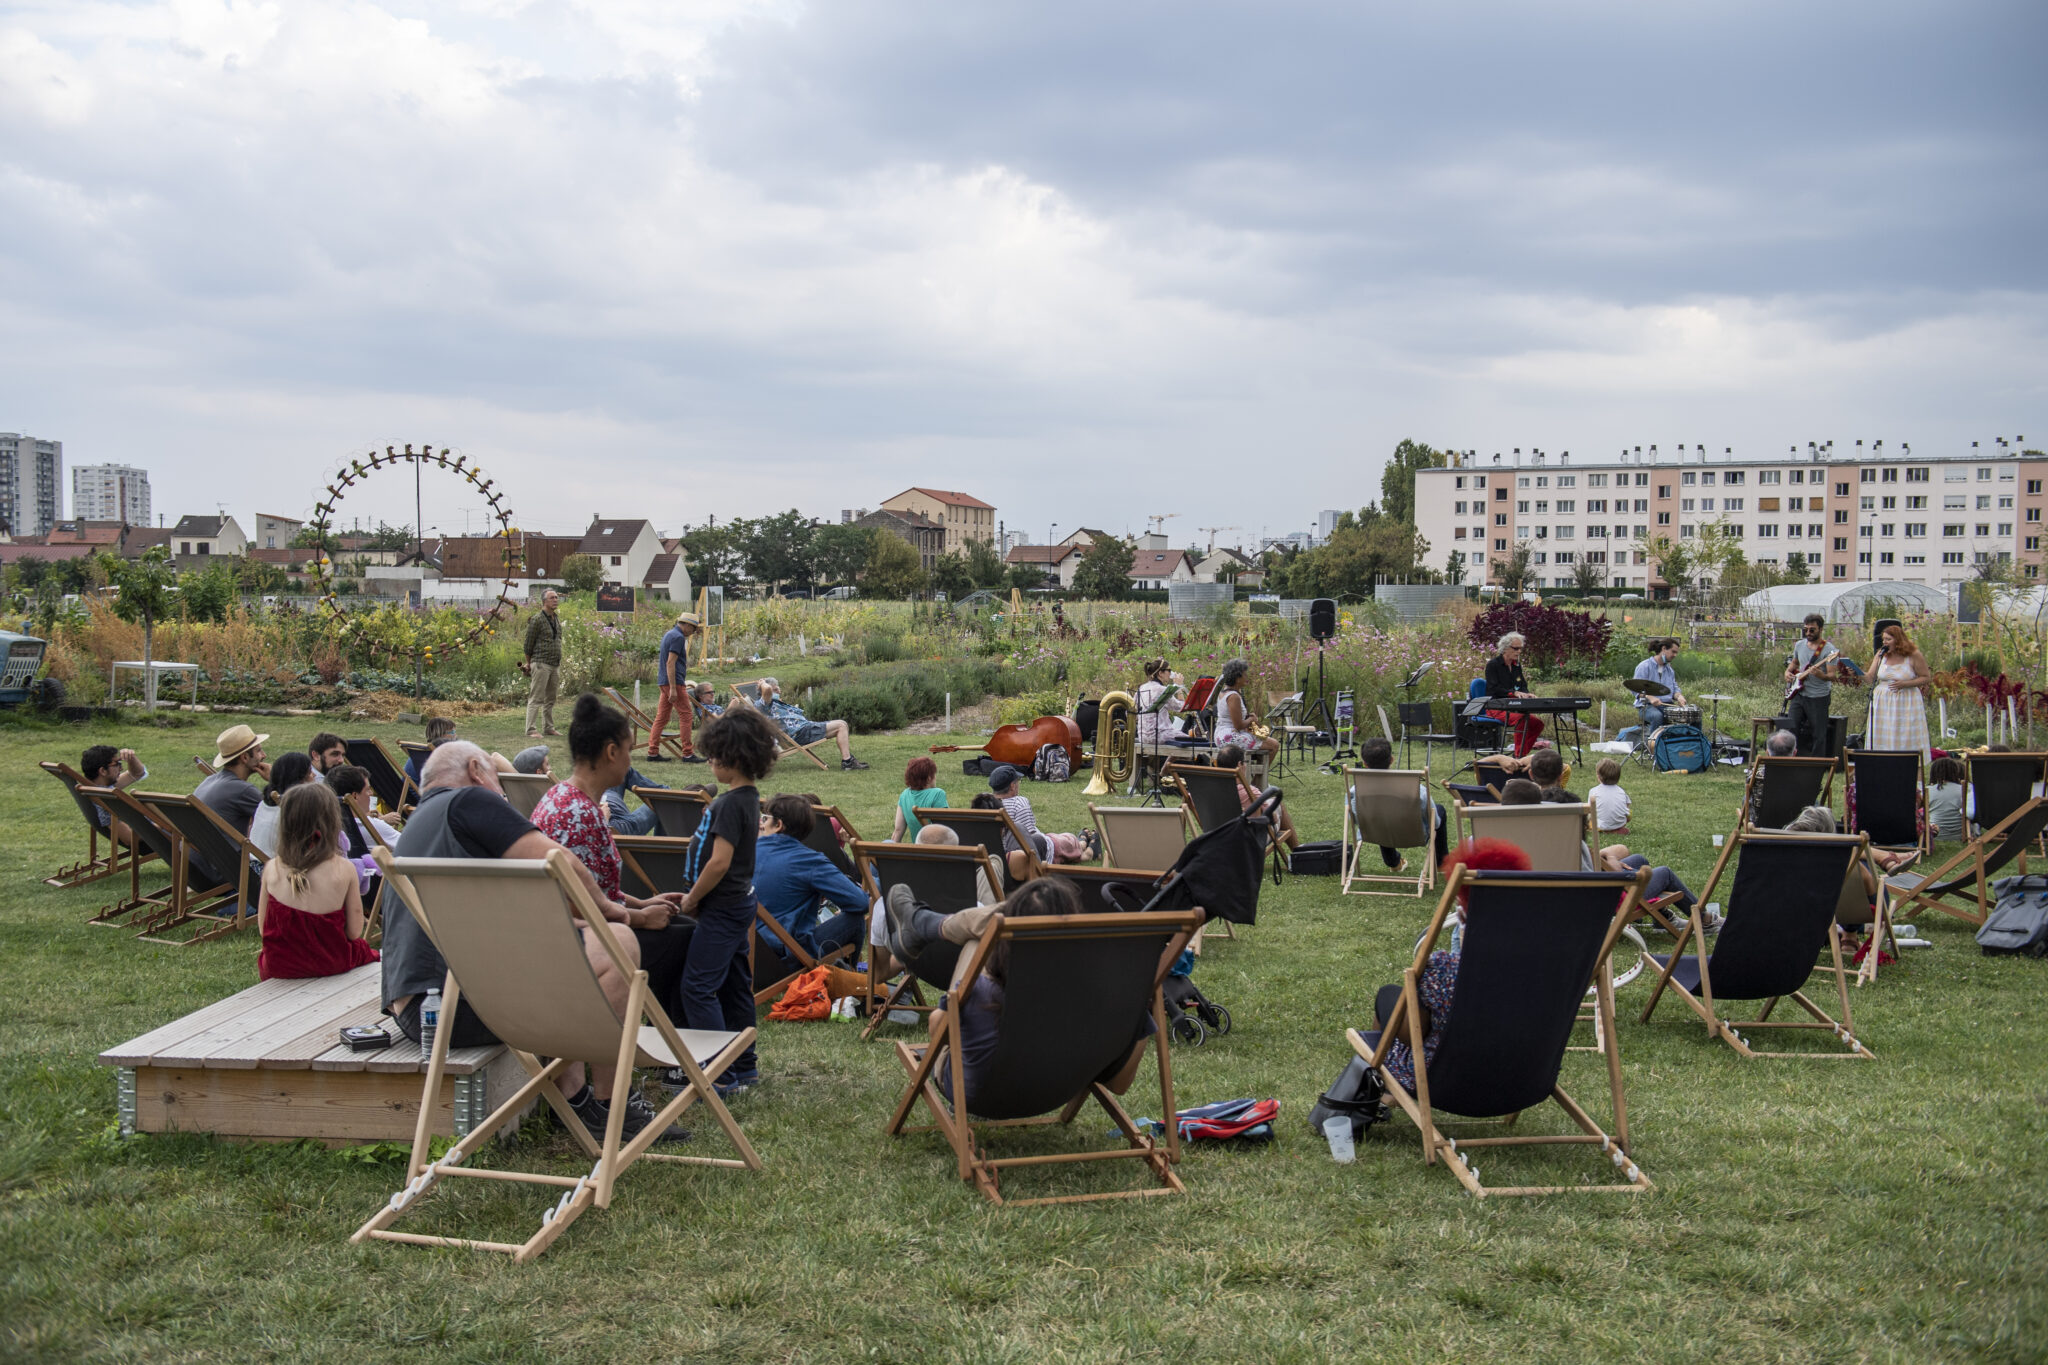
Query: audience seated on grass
(1377, 754)
(1231, 756)
(804, 732)
(920, 788)
(1002, 785)
(704, 700)
(463, 814)
(1945, 798)
(533, 761)
(311, 915)
(793, 880)
(238, 758)
(290, 770)
(1609, 801)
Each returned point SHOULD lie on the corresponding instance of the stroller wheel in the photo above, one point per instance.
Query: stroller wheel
(1190, 1031)
(1220, 1025)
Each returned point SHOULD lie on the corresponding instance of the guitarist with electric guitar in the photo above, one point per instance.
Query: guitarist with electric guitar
(1809, 678)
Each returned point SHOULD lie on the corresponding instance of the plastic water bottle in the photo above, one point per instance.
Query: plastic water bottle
(430, 1020)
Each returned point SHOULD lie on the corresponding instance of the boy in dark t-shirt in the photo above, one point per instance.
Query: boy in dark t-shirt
(718, 985)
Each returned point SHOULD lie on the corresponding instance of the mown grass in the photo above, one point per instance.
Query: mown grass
(1804, 1211)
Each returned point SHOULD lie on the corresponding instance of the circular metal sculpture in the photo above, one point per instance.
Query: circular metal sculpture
(358, 628)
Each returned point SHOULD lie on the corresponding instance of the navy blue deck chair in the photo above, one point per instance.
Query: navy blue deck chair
(652, 864)
(394, 791)
(677, 813)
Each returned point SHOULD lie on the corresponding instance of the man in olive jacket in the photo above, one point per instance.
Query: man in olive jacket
(543, 663)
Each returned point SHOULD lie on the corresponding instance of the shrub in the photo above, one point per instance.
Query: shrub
(865, 707)
(882, 649)
(1555, 637)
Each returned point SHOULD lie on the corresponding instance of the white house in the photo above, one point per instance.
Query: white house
(1157, 568)
(1058, 562)
(1220, 564)
(625, 549)
(207, 537)
(667, 576)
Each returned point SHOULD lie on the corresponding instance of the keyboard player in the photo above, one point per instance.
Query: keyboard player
(1505, 678)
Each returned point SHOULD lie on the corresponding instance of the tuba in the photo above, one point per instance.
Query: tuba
(1116, 743)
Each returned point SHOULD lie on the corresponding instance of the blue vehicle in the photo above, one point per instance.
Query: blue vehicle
(21, 657)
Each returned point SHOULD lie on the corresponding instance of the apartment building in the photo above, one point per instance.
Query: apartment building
(31, 484)
(110, 492)
(1866, 515)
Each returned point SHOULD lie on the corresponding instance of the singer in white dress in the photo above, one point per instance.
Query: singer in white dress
(1898, 701)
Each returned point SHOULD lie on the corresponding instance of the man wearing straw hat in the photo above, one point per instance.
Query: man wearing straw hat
(230, 792)
(671, 673)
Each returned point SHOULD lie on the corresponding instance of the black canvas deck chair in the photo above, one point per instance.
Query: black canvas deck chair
(643, 724)
(94, 865)
(524, 790)
(160, 843)
(1532, 943)
(677, 813)
(1779, 920)
(416, 751)
(1889, 788)
(1212, 793)
(750, 695)
(508, 931)
(216, 866)
(945, 877)
(394, 791)
(1075, 989)
(652, 864)
(823, 840)
(985, 829)
(1969, 871)
(2000, 784)
(1385, 808)
(775, 958)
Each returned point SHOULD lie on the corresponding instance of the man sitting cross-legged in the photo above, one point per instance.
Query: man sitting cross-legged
(804, 730)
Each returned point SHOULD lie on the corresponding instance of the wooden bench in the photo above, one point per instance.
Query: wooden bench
(268, 1063)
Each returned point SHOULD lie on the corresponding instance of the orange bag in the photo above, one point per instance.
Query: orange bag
(806, 999)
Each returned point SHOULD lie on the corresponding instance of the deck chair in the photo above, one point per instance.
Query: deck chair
(524, 790)
(785, 745)
(823, 840)
(158, 842)
(215, 865)
(652, 864)
(1075, 988)
(1776, 790)
(1140, 836)
(1212, 793)
(677, 813)
(1383, 809)
(205, 768)
(508, 931)
(1554, 836)
(1780, 915)
(769, 937)
(986, 829)
(1888, 786)
(92, 867)
(1972, 867)
(643, 724)
(1532, 942)
(2000, 784)
(946, 877)
(415, 750)
(394, 791)
(1860, 911)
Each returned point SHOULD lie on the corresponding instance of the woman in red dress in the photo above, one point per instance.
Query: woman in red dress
(310, 914)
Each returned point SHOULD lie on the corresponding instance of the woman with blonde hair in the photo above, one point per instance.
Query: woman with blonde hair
(1899, 677)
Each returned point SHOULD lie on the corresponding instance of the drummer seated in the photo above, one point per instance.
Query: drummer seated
(1658, 671)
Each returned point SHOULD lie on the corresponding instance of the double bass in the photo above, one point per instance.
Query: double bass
(1018, 745)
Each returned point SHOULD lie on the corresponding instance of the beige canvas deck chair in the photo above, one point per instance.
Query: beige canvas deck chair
(652, 864)
(945, 877)
(1148, 838)
(1387, 808)
(524, 790)
(985, 829)
(1780, 916)
(209, 850)
(785, 745)
(1532, 943)
(1554, 836)
(1076, 986)
(508, 931)
(93, 866)
(1970, 870)
(643, 724)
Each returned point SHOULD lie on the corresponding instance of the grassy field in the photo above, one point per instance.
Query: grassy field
(1804, 1211)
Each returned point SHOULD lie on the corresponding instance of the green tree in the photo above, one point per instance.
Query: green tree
(1796, 570)
(1671, 559)
(840, 550)
(777, 550)
(1362, 549)
(582, 573)
(949, 575)
(1105, 570)
(984, 565)
(1454, 569)
(1589, 577)
(1397, 481)
(209, 594)
(1025, 577)
(146, 590)
(1513, 573)
(713, 554)
(892, 570)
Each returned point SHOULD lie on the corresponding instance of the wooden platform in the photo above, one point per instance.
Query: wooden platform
(267, 1063)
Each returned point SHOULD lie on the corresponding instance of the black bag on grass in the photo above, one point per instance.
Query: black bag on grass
(1323, 858)
(1356, 1095)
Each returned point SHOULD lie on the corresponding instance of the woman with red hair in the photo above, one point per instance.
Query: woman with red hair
(1440, 975)
(918, 776)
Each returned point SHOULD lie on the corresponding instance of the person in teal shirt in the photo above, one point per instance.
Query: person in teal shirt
(919, 777)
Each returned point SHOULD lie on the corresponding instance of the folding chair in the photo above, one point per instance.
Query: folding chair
(761, 960)
(394, 791)
(1773, 794)
(155, 840)
(1074, 990)
(1984, 856)
(945, 877)
(205, 768)
(213, 848)
(643, 724)
(1781, 913)
(1418, 721)
(524, 790)
(1387, 808)
(986, 828)
(2000, 784)
(652, 864)
(1864, 911)
(823, 840)
(1211, 792)
(417, 751)
(1472, 728)
(1140, 836)
(1554, 836)
(677, 813)
(1888, 789)
(750, 693)
(508, 931)
(1532, 942)
(93, 867)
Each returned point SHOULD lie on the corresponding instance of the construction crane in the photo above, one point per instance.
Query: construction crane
(1157, 520)
(1212, 530)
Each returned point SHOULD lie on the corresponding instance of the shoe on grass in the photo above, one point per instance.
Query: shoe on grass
(693, 758)
(596, 1113)
(851, 765)
(656, 758)
(736, 1082)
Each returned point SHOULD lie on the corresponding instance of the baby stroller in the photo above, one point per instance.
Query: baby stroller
(1190, 1015)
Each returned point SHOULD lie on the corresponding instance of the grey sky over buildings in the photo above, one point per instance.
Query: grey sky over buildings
(1089, 262)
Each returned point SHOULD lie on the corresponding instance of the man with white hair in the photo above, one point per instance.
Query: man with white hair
(463, 813)
(804, 730)
(1505, 678)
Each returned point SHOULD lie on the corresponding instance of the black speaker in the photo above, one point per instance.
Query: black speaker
(1322, 618)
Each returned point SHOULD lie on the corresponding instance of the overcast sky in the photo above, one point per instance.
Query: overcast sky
(1090, 262)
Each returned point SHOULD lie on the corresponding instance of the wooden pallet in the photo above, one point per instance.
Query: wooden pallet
(267, 1063)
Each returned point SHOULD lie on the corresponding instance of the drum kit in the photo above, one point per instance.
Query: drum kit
(1649, 689)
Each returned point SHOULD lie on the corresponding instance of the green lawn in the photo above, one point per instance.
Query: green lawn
(1804, 1211)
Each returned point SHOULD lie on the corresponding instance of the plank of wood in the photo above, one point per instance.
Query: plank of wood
(285, 1105)
(297, 1054)
(139, 1050)
(318, 1000)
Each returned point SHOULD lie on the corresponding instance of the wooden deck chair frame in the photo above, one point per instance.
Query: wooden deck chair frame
(1406, 1023)
(524, 790)
(822, 817)
(1854, 848)
(757, 959)
(1870, 913)
(1759, 771)
(415, 751)
(785, 743)
(1149, 833)
(1201, 773)
(187, 905)
(92, 867)
(958, 1127)
(163, 845)
(677, 812)
(974, 828)
(651, 864)
(905, 993)
(2010, 838)
(643, 724)
(647, 1037)
(386, 773)
(1415, 781)
(1923, 838)
(1545, 832)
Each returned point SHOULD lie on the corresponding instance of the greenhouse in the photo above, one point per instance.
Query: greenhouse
(1845, 601)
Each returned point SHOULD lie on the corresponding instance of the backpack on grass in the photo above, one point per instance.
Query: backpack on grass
(2018, 925)
(1051, 764)
(1682, 748)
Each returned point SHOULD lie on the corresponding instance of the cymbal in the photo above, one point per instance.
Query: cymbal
(1648, 687)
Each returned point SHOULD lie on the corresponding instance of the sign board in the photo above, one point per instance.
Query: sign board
(614, 597)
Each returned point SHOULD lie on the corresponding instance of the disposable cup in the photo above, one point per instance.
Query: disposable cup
(1337, 1129)
(1718, 838)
